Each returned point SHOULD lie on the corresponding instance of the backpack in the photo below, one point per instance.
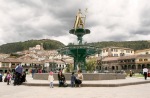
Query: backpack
(8, 76)
(5, 79)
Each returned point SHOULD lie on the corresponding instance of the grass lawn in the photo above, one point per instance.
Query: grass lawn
(138, 75)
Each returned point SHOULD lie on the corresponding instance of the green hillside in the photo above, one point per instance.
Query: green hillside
(136, 45)
(20, 46)
(53, 44)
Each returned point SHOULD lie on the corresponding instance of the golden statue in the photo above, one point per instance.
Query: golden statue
(80, 20)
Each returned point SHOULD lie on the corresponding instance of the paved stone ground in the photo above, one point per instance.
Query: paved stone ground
(132, 91)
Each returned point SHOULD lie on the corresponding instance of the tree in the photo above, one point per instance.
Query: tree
(69, 68)
(91, 65)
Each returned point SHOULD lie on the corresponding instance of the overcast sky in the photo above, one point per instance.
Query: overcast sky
(108, 20)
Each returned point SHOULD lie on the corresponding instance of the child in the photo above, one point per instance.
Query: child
(73, 78)
(51, 79)
(8, 77)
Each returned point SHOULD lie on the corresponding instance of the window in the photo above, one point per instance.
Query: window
(145, 60)
(111, 49)
(122, 54)
(115, 50)
(115, 54)
(103, 51)
(127, 51)
(140, 59)
(146, 53)
(13, 64)
(3, 64)
(106, 50)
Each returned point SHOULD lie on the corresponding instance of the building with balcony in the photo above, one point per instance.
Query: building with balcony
(132, 62)
(116, 52)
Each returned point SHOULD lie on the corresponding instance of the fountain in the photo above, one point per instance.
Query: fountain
(81, 51)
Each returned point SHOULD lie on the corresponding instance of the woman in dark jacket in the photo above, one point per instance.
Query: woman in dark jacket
(61, 78)
(23, 78)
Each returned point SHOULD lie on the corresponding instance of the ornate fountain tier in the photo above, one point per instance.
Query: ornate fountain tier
(80, 32)
(79, 53)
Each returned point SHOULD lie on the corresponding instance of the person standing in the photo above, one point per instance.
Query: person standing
(145, 72)
(18, 74)
(33, 71)
(51, 79)
(131, 73)
(73, 78)
(23, 78)
(8, 78)
(39, 71)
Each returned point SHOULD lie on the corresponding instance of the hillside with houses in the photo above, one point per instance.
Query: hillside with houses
(21, 46)
(110, 59)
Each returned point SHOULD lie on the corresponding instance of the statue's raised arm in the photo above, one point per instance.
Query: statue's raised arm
(80, 20)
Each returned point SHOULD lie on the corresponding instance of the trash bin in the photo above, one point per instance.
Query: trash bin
(148, 74)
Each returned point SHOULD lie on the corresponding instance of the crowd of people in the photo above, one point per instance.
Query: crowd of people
(75, 81)
(18, 76)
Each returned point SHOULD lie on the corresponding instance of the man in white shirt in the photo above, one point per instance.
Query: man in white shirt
(145, 72)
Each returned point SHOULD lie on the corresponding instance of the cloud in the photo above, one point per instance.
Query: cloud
(108, 20)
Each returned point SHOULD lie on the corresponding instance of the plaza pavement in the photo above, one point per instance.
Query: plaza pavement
(130, 91)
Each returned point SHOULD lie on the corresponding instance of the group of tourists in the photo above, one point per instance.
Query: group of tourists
(75, 81)
(18, 76)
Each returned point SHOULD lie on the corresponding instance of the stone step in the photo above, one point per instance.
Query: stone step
(91, 85)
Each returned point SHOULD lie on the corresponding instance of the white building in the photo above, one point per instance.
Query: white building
(116, 51)
(37, 47)
(142, 52)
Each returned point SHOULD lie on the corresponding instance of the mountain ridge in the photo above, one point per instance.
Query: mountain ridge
(49, 44)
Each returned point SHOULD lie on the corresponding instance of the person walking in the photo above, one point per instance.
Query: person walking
(33, 71)
(145, 72)
(73, 78)
(51, 79)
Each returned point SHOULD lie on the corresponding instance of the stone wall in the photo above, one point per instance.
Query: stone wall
(86, 76)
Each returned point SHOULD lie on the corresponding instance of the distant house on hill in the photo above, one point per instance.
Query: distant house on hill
(37, 47)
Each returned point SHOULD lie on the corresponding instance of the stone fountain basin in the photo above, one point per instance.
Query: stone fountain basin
(87, 76)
